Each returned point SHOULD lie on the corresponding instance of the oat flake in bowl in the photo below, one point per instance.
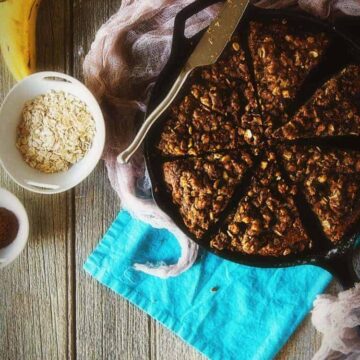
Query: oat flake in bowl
(56, 131)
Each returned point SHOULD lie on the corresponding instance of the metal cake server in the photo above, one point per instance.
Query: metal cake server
(208, 50)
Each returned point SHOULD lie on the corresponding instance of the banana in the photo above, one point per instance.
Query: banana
(18, 35)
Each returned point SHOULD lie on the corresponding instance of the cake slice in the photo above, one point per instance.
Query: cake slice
(333, 110)
(202, 187)
(225, 87)
(266, 221)
(192, 129)
(283, 53)
(330, 179)
(231, 65)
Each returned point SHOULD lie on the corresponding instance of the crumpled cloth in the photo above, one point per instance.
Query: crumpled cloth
(126, 57)
(338, 319)
(224, 310)
(128, 53)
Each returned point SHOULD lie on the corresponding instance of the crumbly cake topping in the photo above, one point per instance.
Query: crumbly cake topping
(283, 56)
(218, 112)
(330, 179)
(193, 129)
(266, 221)
(333, 110)
(202, 187)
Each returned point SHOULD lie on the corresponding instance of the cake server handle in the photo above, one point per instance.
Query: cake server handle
(126, 155)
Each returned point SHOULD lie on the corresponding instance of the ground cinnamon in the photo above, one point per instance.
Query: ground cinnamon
(9, 227)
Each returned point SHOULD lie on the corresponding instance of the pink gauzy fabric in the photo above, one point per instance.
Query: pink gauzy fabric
(126, 57)
(338, 319)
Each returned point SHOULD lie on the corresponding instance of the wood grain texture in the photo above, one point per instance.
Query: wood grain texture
(49, 307)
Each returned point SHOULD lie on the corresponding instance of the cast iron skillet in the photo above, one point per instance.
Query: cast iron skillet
(336, 259)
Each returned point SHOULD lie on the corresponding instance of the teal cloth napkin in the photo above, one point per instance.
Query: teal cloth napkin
(226, 311)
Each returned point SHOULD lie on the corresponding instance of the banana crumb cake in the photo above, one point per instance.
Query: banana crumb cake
(266, 221)
(283, 56)
(231, 163)
(203, 186)
(330, 179)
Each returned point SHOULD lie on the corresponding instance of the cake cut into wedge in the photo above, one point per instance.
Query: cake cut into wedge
(219, 112)
(192, 129)
(225, 87)
(202, 187)
(231, 65)
(266, 221)
(333, 110)
(330, 180)
(284, 53)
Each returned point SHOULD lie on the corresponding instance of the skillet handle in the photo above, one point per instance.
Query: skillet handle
(350, 27)
(342, 267)
(180, 42)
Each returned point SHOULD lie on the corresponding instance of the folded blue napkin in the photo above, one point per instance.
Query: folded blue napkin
(226, 311)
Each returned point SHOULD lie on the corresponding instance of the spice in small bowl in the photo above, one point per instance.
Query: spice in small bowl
(9, 227)
(55, 132)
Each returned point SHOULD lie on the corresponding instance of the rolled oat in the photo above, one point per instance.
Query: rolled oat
(56, 131)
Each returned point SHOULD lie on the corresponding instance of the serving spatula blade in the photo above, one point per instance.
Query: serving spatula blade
(218, 34)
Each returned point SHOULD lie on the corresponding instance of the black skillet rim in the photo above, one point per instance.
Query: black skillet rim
(164, 202)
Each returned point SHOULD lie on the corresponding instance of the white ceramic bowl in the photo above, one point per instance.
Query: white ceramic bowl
(9, 253)
(10, 115)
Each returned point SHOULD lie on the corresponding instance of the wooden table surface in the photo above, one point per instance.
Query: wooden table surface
(49, 307)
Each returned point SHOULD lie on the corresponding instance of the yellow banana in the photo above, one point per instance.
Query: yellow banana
(18, 35)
